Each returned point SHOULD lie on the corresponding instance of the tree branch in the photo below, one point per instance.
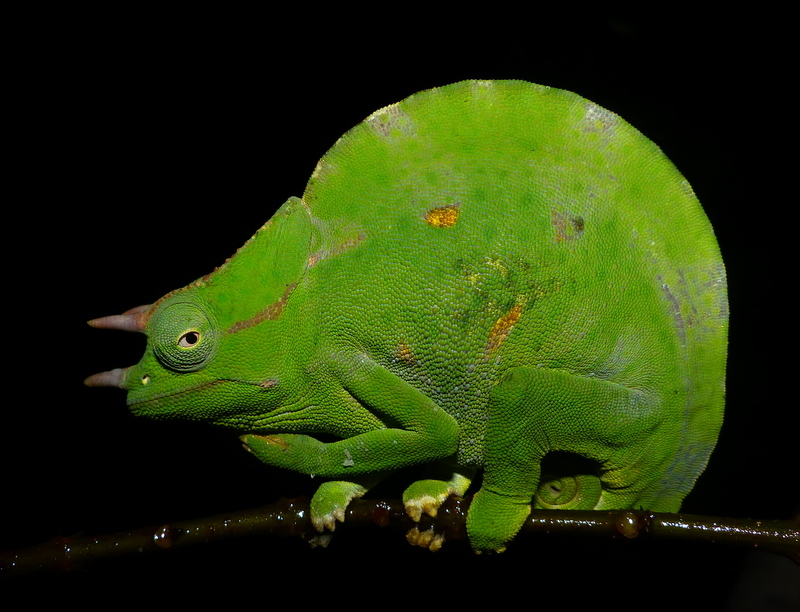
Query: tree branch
(291, 519)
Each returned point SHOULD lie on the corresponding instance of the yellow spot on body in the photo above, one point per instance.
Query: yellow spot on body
(474, 279)
(497, 265)
(404, 353)
(442, 216)
(502, 328)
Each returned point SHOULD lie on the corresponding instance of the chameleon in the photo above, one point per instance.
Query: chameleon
(500, 280)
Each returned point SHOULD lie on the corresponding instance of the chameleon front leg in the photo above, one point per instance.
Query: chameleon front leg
(534, 411)
(420, 430)
(424, 433)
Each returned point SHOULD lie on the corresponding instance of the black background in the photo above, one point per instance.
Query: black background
(153, 146)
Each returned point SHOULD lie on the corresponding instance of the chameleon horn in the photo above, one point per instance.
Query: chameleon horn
(113, 378)
(131, 320)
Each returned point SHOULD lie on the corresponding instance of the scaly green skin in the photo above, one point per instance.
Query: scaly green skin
(498, 275)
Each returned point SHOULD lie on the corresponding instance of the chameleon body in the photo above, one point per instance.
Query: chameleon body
(490, 276)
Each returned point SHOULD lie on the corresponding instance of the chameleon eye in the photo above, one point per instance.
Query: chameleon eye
(189, 339)
(183, 337)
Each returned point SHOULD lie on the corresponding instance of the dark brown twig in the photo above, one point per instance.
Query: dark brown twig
(289, 518)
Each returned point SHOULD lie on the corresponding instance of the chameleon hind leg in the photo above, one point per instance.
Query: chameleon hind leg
(533, 412)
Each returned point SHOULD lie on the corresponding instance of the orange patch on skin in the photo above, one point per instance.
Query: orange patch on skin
(442, 216)
(271, 312)
(567, 227)
(502, 328)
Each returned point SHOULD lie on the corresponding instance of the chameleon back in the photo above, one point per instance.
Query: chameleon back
(487, 225)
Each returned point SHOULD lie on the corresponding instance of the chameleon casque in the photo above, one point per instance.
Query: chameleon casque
(491, 275)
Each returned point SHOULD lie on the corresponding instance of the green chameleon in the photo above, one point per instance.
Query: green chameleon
(490, 276)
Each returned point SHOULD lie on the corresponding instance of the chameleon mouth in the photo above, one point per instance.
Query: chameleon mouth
(135, 405)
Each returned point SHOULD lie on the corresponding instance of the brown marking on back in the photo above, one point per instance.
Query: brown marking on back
(567, 227)
(271, 312)
(502, 328)
(443, 216)
(274, 440)
(347, 245)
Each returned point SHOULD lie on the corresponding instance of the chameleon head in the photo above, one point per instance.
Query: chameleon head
(193, 366)
(183, 338)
